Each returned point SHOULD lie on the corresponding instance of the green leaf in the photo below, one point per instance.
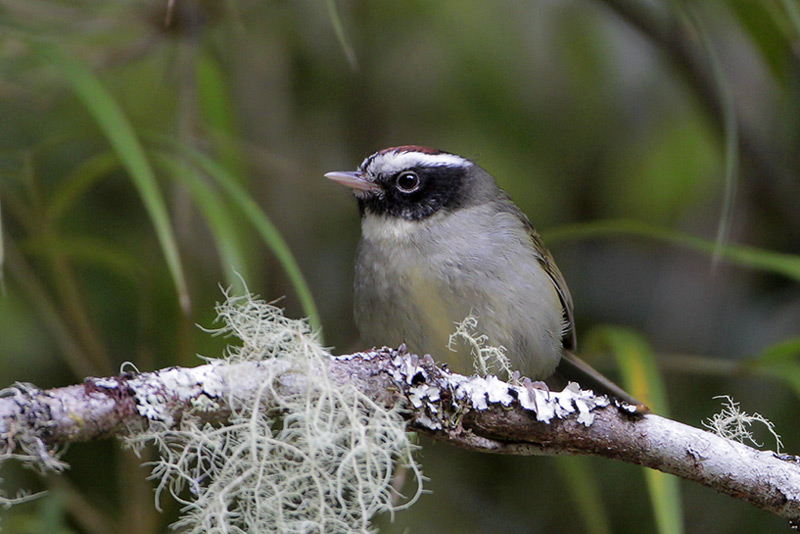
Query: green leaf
(793, 13)
(730, 128)
(781, 361)
(79, 180)
(119, 132)
(220, 121)
(666, 498)
(754, 258)
(219, 115)
(585, 489)
(636, 362)
(222, 224)
(269, 233)
(2, 254)
(336, 20)
(89, 251)
(642, 378)
(765, 25)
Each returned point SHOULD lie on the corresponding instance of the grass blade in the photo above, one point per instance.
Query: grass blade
(642, 378)
(780, 361)
(214, 96)
(68, 191)
(2, 254)
(754, 258)
(636, 362)
(336, 20)
(218, 218)
(730, 130)
(126, 145)
(89, 251)
(578, 475)
(219, 116)
(793, 12)
(269, 233)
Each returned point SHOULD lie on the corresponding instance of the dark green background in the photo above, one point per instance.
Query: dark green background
(584, 111)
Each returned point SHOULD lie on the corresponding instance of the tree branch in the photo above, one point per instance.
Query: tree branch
(481, 414)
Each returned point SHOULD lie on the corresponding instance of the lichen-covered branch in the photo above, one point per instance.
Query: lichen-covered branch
(481, 414)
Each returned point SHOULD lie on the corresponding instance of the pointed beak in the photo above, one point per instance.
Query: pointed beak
(356, 180)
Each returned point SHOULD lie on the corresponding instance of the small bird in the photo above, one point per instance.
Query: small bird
(441, 241)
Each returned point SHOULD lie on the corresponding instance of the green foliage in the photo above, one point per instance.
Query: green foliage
(783, 264)
(126, 144)
(642, 378)
(224, 227)
(586, 490)
(272, 237)
(151, 149)
(781, 361)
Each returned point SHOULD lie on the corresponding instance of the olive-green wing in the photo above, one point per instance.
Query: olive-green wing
(549, 265)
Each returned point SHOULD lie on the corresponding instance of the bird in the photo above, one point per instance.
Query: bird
(440, 242)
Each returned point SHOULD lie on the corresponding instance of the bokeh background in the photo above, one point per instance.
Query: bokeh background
(150, 150)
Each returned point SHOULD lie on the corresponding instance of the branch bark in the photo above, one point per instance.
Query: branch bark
(481, 414)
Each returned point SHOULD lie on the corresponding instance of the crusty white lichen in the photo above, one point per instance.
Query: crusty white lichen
(487, 389)
(156, 399)
(23, 443)
(481, 392)
(317, 461)
(547, 405)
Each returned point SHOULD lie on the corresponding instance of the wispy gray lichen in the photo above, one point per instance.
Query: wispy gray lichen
(487, 359)
(732, 423)
(320, 461)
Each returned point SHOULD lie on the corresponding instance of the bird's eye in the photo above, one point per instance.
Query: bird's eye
(407, 182)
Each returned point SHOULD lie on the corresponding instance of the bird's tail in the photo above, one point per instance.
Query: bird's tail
(572, 368)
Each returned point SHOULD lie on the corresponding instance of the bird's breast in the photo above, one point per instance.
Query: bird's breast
(415, 279)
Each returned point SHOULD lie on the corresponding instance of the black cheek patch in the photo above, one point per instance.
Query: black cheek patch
(440, 188)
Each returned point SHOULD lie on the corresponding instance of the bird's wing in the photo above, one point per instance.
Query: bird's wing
(571, 368)
(568, 337)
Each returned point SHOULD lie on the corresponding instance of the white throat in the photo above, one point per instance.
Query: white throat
(394, 229)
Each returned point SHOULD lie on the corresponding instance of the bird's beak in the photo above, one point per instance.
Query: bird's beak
(357, 180)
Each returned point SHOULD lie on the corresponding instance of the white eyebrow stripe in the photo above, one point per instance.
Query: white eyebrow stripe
(393, 162)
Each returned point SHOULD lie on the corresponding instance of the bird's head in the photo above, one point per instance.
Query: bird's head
(414, 182)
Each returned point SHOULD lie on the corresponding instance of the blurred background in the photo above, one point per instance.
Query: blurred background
(150, 150)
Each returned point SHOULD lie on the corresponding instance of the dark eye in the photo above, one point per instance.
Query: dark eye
(407, 182)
